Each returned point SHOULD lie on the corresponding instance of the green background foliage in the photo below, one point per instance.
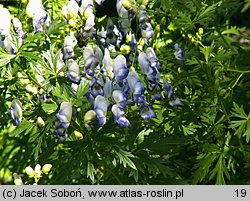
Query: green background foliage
(206, 141)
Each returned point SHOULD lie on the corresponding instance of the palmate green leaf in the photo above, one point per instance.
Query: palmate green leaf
(142, 134)
(239, 111)
(207, 51)
(242, 125)
(220, 170)
(203, 167)
(5, 58)
(124, 158)
(234, 30)
(82, 89)
(49, 107)
(23, 126)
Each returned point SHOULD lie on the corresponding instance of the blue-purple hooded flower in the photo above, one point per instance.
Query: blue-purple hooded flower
(92, 58)
(73, 71)
(120, 68)
(15, 112)
(69, 45)
(119, 98)
(153, 59)
(119, 116)
(179, 52)
(173, 99)
(96, 87)
(136, 86)
(145, 26)
(64, 115)
(100, 108)
(107, 68)
(146, 111)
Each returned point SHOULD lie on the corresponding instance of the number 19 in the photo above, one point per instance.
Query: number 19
(241, 193)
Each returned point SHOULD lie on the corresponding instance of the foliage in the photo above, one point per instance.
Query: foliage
(205, 140)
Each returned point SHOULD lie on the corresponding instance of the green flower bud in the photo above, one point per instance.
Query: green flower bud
(40, 123)
(125, 49)
(89, 118)
(46, 168)
(29, 171)
(78, 135)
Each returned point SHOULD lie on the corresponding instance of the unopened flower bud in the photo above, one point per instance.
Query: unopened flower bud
(89, 118)
(17, 179)
(40, 123)
(38, 172)
(125, 49)
(200, 31)
(29, 171)
(78, 135)
(46, 168)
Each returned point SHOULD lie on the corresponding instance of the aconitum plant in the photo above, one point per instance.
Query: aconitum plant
(112, 76)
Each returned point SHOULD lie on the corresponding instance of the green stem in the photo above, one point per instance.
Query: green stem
(114, 175)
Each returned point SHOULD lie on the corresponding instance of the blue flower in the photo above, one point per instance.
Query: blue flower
(119, 116)
(100, 108)
(64, 115)
(17, 25)
(120, 68)
(92, 58)
(136, 86)
(107, 68)
(96, 87)
(87, 9)
(113, 35)
(119, 98)
(179, 52)
(73, 71)
(153, 59)
(144, 24)
(89, 118)
(146, 111)
(173, 99)
(40, 19)
(15, 112)
(5, 29)
(107, 89)
(152, 72)
(69, 45)
(124, 22)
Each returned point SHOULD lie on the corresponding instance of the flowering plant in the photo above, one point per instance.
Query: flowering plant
(124, 91)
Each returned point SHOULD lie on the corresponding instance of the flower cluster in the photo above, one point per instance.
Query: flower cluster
(113, 78)
(40, 17)
(114, 82)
